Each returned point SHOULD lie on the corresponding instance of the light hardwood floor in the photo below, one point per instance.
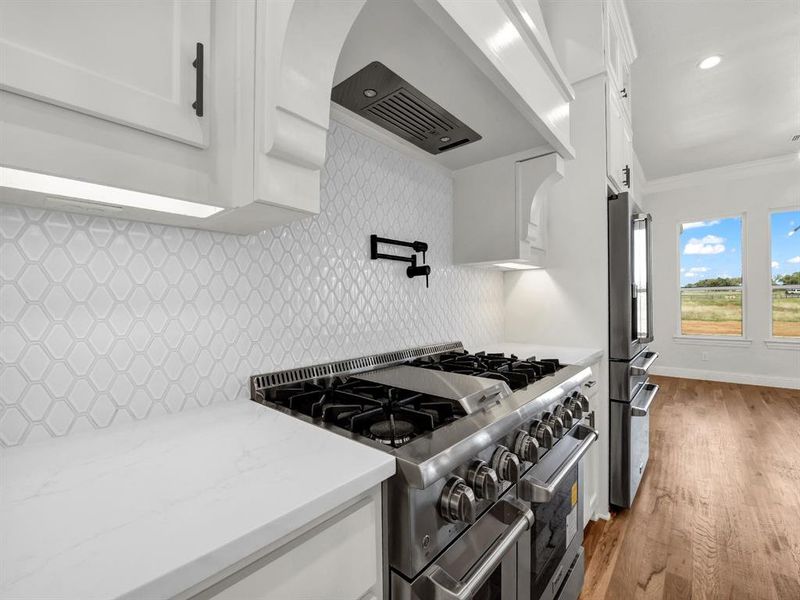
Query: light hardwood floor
(717, 515)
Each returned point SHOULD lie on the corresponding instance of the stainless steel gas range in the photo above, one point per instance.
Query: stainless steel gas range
(485, 502)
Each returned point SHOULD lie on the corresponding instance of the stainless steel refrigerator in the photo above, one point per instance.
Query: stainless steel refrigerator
(630, 333)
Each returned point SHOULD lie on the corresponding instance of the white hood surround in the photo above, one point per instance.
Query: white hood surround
(505, 39)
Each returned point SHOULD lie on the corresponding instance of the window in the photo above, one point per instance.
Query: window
(711, 277)
(785, 251)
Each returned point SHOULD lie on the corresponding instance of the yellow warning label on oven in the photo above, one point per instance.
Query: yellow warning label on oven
(574, 493)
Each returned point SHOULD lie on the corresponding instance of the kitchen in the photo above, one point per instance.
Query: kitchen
(281, 229)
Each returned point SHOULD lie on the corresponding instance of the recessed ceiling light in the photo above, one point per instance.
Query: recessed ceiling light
(102, 194)
(370, 93)
(710, 62)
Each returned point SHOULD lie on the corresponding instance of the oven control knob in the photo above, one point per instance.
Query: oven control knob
(506, 464)
(543, 434)
(555, 424)
(582, 400)
(457, 502)
(526, 447)
(483, 481)
(574, 406)
(563, 413)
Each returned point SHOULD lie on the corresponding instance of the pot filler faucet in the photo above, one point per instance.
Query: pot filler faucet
(414, 270)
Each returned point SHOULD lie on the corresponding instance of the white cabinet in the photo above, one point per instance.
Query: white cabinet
(619, 53)
(106, 94)
(102, 93)
(500, 210)
(339, 558)
(619, 142)
(593, 468)
(127, 62)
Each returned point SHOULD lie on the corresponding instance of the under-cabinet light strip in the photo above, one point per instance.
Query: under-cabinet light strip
(515, 266)
(102, 194)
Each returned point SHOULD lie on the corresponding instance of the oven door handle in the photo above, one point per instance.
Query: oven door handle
(532, 490)
(642, 369)
(648, 393)
(440, 585)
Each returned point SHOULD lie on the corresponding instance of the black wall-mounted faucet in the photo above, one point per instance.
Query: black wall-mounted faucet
(412, 271)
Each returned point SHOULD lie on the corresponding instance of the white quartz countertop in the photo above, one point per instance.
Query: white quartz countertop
(570, 355)
(148, 510)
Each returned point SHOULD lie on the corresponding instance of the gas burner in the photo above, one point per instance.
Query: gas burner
(392, 432)
(387, 414)
(517, 373)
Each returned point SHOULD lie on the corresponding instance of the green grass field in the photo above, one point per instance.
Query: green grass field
(719, 312)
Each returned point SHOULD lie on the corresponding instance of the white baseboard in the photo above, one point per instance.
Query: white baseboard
(792, 383)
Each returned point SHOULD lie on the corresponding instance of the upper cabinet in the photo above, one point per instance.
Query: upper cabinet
(500, 211)
(128, 63)
(619, 53)
(129, 109)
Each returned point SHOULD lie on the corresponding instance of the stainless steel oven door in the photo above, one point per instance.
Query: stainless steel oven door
(551, 486)
(480, 565)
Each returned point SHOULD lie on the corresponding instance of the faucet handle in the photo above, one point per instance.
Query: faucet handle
(419, 271)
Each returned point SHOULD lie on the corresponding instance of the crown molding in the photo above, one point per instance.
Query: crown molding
(764, 166)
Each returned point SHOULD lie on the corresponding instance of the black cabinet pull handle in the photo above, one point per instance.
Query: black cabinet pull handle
(197, 105)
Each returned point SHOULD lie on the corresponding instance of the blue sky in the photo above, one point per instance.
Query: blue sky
(711, 249)
(785, 242)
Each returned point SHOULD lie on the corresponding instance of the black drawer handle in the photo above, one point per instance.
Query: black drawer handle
(197, 105)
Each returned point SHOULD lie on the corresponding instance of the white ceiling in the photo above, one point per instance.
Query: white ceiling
(747, 108)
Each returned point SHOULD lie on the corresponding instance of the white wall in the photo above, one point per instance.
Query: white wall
(567, 303)
(104, 321)
(752, 190)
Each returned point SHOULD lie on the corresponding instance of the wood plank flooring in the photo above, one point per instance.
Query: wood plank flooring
(717, 515)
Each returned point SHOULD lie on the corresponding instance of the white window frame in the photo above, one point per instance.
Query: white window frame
(711, 339)
(773, 341)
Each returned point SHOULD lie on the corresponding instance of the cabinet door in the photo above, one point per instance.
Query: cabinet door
(126, 61)
(340, 559)
(614, 137)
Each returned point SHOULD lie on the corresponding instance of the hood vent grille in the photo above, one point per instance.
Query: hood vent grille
(384, 98)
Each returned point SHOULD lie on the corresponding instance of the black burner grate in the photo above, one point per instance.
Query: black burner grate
(515, 372)
(391, 416)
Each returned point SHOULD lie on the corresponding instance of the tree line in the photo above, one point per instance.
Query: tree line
(786, 279)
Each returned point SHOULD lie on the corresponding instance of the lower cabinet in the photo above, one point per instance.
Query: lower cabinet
(340, 558)
(593, 467)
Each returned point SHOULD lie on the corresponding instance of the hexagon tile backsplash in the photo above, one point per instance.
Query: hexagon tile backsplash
(106, 321)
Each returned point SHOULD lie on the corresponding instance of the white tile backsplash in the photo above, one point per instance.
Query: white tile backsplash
(105, 321)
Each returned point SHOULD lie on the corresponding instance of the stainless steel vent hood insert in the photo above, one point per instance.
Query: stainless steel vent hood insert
(383, 97)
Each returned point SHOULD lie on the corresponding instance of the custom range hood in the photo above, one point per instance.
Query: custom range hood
(460, 83)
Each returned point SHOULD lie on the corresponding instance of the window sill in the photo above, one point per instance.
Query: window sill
(735, 342)
(783, 343)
